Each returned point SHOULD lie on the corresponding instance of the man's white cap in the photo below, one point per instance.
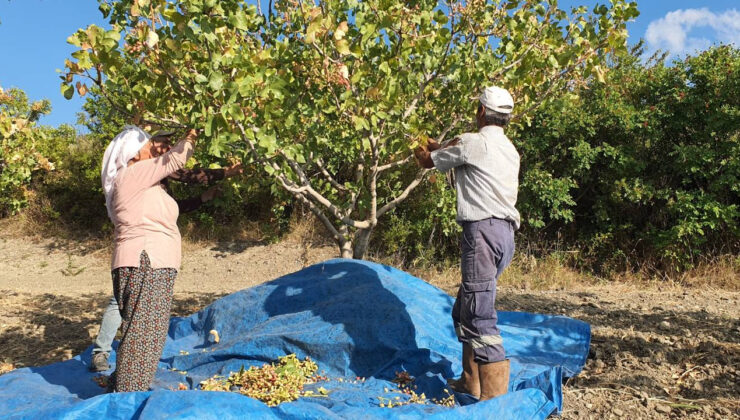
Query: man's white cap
(497, 99)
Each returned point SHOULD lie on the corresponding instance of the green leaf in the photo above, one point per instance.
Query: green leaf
(235, 111)
(171, 14)
(216, 81)
(342, 46)
(312, 29)
(441, 18)
(510, 47)
(104, 9)
(67, 90)
(267, 141)
(109, 43)
(113, 34)
(74, 39)
(360, 123)
(239, 21)
(217, 146)
(384, 67)
(208, 129)
(152, 39)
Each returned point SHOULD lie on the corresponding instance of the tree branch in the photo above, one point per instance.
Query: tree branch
(374, 181)
(323, 54)
(412, 106)
(409, 158)
(553, 83)
(396, 201)
(397, 163)
(325, 220)
(320, 164)
(447, 129)
(305, 189)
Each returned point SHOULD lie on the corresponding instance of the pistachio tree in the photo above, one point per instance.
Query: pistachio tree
(329, 97)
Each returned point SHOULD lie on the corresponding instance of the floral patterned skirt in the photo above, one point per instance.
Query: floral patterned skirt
(144, 297)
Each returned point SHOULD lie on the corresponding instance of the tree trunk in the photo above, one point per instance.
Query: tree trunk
(345, 249)
(361, 240)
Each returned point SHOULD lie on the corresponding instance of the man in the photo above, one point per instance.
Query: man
(486, 168)
(160, 144)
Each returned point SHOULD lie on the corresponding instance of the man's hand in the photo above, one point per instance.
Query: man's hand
(234, 170)
(420, 152)
(211, 193)
(423, 154)
(432, 145)
(423, 157)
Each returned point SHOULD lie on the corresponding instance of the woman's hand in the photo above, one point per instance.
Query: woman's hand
(191, 136)
(234, 170)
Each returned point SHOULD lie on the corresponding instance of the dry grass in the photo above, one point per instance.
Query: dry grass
(11, 226)
(722, 273)
(524, 273)
(528, 273)
(25, 226)
(244, 231)
(719, 273)
(46, 328)
(305, 230)
(6, 367)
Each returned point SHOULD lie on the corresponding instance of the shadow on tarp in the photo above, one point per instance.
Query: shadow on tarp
(355, 309)
(354, 318)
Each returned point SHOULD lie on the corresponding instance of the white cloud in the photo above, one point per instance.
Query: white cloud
(672, 32)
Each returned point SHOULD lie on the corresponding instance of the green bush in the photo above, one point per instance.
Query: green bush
(643, 168)
(247, 198)
(19, 154)
(71, 197)
(423, 230)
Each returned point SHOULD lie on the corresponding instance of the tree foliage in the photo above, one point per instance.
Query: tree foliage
(329, 97)
(642, 168)
(19, 154)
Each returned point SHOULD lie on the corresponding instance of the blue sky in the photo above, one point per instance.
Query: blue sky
(33, 37)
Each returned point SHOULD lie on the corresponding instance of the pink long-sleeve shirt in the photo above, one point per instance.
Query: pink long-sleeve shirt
(144, 215)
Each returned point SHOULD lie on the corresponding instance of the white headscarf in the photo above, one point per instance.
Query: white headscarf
(123, 148)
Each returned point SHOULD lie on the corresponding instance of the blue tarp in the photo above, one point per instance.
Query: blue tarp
(354, 318)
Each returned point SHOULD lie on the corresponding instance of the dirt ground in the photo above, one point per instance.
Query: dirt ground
(655, 353)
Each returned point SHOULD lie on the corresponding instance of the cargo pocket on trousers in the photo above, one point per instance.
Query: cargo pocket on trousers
(479, 297)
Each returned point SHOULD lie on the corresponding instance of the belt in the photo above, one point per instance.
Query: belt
(491, 219)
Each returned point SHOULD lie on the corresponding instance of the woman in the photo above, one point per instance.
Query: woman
(146, 252)
(111, 316)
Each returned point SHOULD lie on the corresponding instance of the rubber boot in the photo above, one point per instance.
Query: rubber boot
(469, 382)
(494, 379)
